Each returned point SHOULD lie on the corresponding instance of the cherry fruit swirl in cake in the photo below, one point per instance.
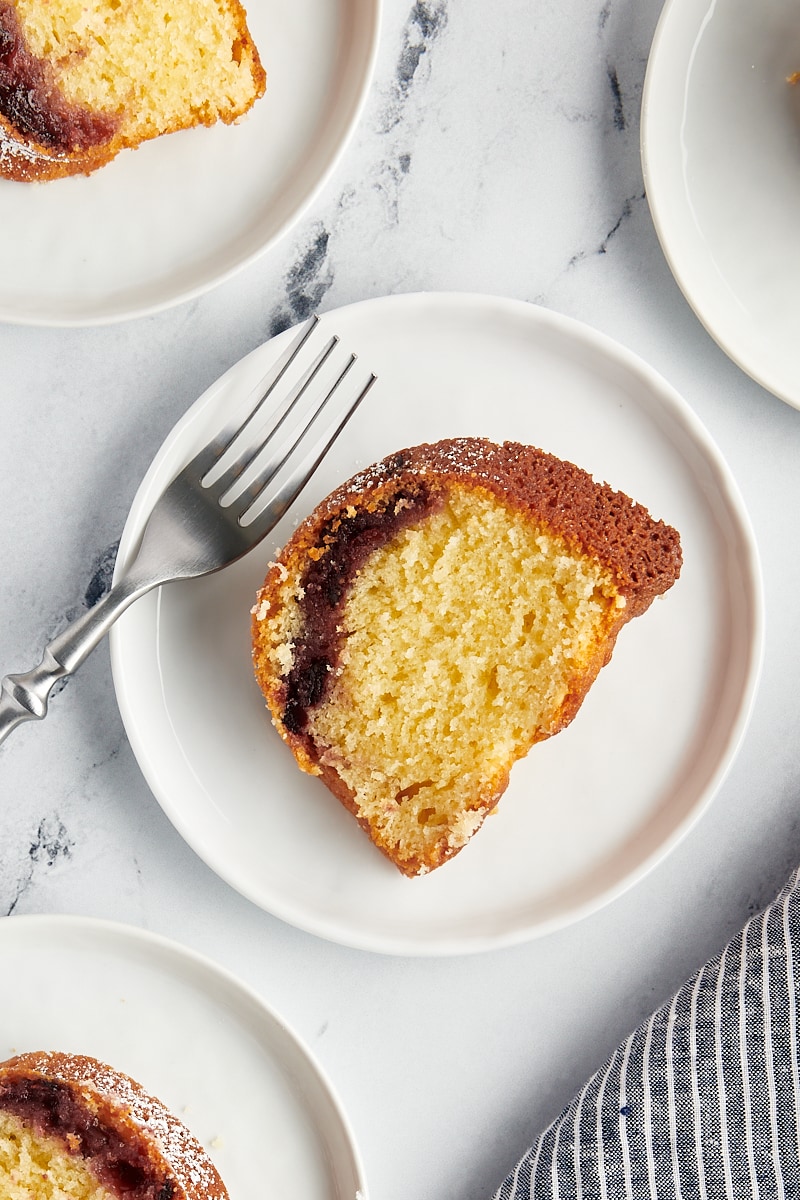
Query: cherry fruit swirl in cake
(71, 1126)
(439, 614)
(81, 80)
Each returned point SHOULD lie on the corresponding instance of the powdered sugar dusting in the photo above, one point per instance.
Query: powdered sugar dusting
(460, 456)
(24, 162)
(10, 149)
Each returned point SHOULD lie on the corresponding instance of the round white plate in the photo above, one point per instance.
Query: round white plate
(183, 212)
(192, 1035)
(587, 812)
(721, 158)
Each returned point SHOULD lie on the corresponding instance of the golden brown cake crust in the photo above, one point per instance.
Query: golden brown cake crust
(113, 1101)
(641, 555)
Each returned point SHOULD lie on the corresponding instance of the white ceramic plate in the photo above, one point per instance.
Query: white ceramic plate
(180, 214)
(191, 1034)
(721, 157)
(587, 812)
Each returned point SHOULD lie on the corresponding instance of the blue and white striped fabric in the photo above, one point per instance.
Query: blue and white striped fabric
(702, 1102)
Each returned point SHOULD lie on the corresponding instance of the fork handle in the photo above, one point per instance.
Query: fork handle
(25, 697)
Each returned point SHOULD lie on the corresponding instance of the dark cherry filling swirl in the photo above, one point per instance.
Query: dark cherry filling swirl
(349, 541)
(53, 1110)
(31, 101)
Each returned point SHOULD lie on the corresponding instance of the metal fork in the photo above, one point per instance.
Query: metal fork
(202, 522)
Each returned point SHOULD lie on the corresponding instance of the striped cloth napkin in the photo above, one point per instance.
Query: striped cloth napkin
(703, 1100)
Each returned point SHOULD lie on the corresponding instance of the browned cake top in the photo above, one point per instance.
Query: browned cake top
(643, 554)
(136, 1147)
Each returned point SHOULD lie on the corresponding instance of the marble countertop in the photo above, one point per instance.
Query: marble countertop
(498, 153)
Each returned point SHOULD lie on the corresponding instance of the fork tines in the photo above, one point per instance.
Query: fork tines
(242, 462)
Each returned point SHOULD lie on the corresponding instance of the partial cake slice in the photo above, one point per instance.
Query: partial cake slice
(72, 1127)
(439, 614)
(81, 80)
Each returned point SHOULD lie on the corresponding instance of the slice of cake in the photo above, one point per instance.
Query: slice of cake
(439, 614)
(72, 1127)
(81, 80)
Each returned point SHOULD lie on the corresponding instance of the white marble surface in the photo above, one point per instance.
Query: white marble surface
(498, 153)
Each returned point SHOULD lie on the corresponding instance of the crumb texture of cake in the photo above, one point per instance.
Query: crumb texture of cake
(81, 80)
(438, 615)
(74, 1128)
